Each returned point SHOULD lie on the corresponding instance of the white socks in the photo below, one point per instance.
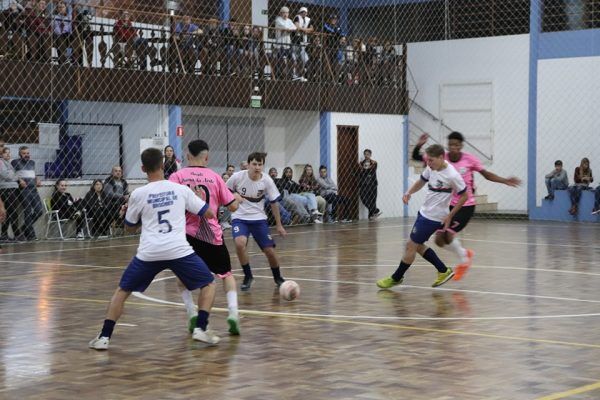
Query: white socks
(232, 303)
(457, 248)
(190, 307)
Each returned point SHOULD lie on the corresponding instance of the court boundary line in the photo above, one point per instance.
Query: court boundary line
(572, 392)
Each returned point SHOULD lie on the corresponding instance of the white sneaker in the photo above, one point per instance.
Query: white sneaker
(318, 221)
(225, 225)
(99, 343)
(315, 212)
(80, 235)
(205, 336)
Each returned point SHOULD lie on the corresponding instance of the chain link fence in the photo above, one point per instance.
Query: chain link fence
(89, 85)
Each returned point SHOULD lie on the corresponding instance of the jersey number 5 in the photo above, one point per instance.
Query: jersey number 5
(161, 221)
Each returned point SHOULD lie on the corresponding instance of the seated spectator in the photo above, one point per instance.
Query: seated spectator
(596, 209)
(11, 26)
(62, 27)
(212, 57)
(116, 191)
(314, 65)
(224, 213)
(295, 191)
(583, 177)
(67, 206)
(556, 180)
(329, 192)
(39, 31)
(296, 207)
(97, 207)
(309, 184)
(126, 42)
(9, 193)
(187, 36)
(171, 163)
(388, 63)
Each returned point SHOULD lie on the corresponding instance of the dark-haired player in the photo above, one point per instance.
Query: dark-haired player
(465, 163)
(250, 188)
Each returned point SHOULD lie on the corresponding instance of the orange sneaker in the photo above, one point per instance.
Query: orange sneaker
(461, 269)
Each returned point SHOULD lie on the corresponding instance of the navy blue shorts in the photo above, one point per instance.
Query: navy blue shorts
(259, 230)
(190, 270)
(423, 229)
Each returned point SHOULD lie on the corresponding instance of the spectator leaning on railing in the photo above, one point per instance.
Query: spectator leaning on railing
(283, 40)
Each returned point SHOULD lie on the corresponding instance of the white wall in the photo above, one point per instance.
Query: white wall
(383, 134)
(291, 137)
(567, 128)
(503, 61)
(138, 120)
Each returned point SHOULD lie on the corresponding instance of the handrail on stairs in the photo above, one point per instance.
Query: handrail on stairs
(441, 122)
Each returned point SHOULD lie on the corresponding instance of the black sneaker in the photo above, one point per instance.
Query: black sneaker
(279, 281)
(247, 283)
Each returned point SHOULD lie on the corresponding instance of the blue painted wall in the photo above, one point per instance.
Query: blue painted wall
(174, 121)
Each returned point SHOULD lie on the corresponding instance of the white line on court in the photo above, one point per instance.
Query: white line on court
(372, 317)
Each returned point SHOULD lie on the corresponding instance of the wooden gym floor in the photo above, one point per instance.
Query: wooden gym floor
(523, 323)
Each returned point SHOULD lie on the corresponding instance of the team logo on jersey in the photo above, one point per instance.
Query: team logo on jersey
(439, 184)
(260, 193)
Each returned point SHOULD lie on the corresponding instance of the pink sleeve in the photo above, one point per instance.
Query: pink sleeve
(225, 194)
(476, 164)
(174, 177)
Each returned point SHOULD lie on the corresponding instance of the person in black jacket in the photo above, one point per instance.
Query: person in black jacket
(67, 206)
(367, 175)
(96, 205)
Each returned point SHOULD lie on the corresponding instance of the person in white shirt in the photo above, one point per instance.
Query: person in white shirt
(304, 26)
(250, 188)
(283, 42)
(159, 207)
(442, 181)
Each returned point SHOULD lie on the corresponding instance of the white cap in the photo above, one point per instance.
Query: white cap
(284, 9)
(303, 9)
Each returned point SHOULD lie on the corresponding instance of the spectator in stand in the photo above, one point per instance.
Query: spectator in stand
(333, 33)
(244, 165)
(31, 204)
(388, 63)
(62, 26)
(97, 207)
(297, 208)
(230, 170)
(126, 41)
(283, 41)
(309, 200)
(314, 67)
(304, 27)
(187, 36)
(257, 52)
(116, 190)
(556, 180)
(9, 193)
(309, 185)
(11, 25)
(212, 53)
(171, 163)
(367, 174)
(67, 206)
(83, 43)
(583, 177)
(39, 32)
(329, 192)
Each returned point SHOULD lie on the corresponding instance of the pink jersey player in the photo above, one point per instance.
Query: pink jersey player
(211, 187)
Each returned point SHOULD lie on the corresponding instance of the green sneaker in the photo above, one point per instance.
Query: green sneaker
(234, 325)
(388, 282)
(192, 323)
(443, 277)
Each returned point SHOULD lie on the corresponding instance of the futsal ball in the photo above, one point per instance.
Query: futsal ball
(289, 290)
(443, 238)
